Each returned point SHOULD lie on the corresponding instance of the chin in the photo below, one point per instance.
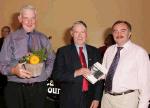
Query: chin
(29, 30)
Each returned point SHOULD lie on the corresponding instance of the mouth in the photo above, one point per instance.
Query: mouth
(80, 39)
(119, 37)
(30, 25)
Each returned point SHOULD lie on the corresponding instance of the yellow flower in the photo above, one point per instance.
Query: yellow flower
(34, 59)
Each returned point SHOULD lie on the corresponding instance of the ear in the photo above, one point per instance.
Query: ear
(20, 18)
(86, 34)
(71, 33)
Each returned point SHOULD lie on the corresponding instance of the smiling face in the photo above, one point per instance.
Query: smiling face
(121, 33)
(79, 34)
(28, 19)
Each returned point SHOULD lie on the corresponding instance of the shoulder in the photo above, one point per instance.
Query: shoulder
(90, 47)
(41, 35)
(16, 35)
(1, 39)
(42, 38)
(110, 48)
(138, 49)
(66, 47)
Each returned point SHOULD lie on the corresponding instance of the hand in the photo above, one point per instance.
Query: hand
(18, 71)
(94, 104)
(81, 71)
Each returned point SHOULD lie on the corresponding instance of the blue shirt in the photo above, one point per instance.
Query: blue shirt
(16, 46)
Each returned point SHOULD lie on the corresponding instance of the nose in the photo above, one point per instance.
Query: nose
(118, 33)
(30, 21)
(80, 34)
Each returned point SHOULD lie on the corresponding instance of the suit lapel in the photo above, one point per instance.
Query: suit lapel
(89, 55)
(75, 57)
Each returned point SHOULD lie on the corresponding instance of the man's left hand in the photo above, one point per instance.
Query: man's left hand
(94, 104)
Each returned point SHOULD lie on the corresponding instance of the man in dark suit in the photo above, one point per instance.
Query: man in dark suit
(69, 70)
(4, 32)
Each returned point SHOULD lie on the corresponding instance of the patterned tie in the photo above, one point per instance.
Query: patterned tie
(29, 42)
(111, 71)
(83, 63)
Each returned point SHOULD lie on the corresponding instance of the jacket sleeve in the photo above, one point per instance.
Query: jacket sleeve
(63, 68)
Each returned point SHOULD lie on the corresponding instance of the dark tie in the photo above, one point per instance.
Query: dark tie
(111, 71)
(29, 42)
(83, 63)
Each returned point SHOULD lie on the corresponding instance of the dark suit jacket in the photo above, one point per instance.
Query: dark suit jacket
(1, 42)
(67, 61)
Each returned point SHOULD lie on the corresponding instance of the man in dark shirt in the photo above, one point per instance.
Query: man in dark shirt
(4, 32)
(107, 42)
(23, 90)
(3, 79)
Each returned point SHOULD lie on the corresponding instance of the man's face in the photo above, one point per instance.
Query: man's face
(79, 34)
(28, 20)
(121, 33)
(5, 32)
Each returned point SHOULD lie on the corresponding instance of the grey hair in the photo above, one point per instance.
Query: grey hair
(27, 7)
(79, 22)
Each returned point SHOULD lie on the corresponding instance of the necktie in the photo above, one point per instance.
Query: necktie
(111, 71)
(83, 63)
(29, 42)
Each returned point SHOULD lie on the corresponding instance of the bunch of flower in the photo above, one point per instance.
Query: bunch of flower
(35, 57)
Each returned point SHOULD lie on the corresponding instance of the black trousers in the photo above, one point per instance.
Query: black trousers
(3, 82)
(19, 95)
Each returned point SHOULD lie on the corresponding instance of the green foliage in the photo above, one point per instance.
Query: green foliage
(40, 53)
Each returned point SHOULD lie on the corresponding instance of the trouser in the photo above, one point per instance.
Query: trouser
(81, 101)
(129, 100)
(3, 82)
(20, 95)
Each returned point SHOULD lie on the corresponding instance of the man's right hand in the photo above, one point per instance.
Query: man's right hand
(20, 72)
(81, 71)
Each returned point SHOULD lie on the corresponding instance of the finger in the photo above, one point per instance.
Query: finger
(91, 105)
(81, 71)
(25, 74)
(84, 76)
(86, 72)
(28, 74)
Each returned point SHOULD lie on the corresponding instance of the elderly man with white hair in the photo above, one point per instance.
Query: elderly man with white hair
(23, 89)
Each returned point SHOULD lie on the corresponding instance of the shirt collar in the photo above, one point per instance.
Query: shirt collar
(126, 45)
(23, 31)
(77, 46)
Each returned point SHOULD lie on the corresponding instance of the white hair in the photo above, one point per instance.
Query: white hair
(27, 7)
